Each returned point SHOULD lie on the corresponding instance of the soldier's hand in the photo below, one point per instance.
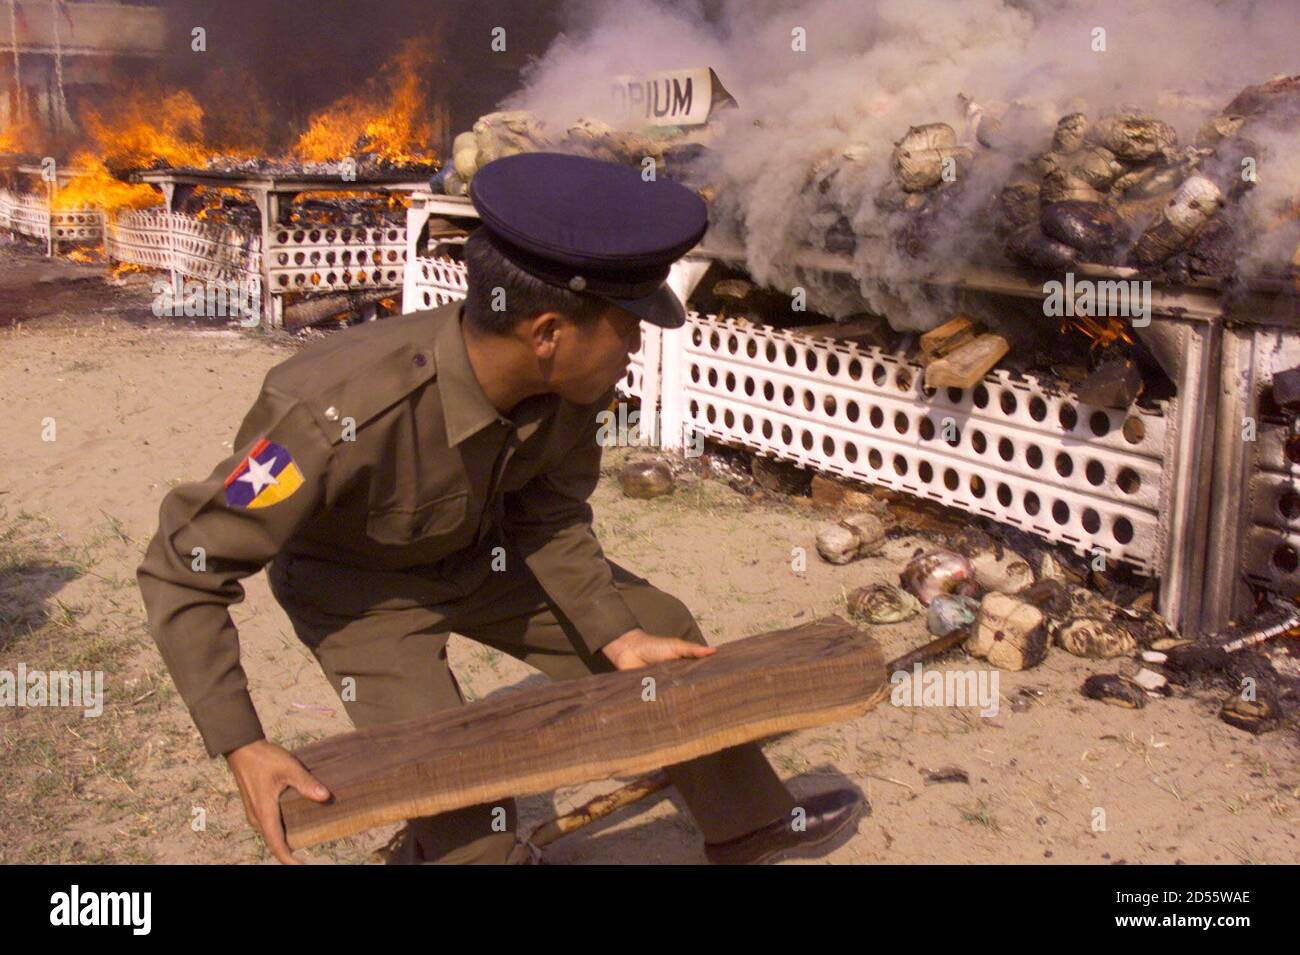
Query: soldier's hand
(263, 771)
(636, 648)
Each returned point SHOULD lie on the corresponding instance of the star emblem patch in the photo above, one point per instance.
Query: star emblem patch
(266, 476)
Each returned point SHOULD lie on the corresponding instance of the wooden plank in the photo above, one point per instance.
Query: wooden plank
(841, 331)
(596, 727)
(937, 342)
(968, 364)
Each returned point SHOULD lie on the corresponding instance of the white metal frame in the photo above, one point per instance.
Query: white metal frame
(32, 216)
(1254, 529)
(1007, 449)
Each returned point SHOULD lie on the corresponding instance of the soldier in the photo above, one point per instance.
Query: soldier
(420, 475)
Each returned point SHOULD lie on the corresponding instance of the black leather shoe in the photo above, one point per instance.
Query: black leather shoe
(826, 815)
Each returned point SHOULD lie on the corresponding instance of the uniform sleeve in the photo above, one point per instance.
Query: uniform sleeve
(549, 520)
(188, 592)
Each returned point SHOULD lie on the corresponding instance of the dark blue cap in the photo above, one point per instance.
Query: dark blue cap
(591, 226)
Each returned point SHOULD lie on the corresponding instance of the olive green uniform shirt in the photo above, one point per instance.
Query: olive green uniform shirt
(411, 482)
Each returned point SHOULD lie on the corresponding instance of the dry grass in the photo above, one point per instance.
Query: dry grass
(129, 784)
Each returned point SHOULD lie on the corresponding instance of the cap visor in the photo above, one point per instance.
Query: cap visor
(661, 307)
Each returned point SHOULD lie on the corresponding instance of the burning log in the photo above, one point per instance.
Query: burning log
(318, 309)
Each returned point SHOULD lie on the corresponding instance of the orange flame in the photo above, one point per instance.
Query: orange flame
(20, 138)
(137, 129)
(1103, 334)
(390, 117)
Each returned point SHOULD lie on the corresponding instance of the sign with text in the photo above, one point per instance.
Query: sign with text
(670, 98)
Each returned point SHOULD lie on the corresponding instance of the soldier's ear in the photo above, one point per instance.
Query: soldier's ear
(542, 332)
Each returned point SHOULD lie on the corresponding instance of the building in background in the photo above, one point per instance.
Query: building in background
(52, 51)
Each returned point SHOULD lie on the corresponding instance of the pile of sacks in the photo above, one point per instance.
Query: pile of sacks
(517, 131)
(1120, 191)
(1115, 189)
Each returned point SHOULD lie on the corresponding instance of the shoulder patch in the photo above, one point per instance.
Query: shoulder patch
(266, 476)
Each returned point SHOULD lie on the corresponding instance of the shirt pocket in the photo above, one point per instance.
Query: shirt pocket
(401, 526)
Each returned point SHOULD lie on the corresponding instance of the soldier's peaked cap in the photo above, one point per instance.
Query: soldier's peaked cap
(591, 226)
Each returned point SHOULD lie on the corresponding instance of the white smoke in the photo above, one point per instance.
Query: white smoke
(869, 71)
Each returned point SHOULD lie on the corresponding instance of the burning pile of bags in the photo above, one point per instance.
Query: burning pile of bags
(1120, 190)
(517, 131)
(1116, 189)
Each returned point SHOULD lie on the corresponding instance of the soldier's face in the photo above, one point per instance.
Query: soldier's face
(595, 355)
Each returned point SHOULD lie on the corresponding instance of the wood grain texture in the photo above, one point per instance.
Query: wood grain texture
(582, 730)
(967, 364)
(939, 341)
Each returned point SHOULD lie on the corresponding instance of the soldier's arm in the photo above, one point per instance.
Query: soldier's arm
(211, 534)
(549, 520)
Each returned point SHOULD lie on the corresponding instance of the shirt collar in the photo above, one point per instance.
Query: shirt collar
(465, 408)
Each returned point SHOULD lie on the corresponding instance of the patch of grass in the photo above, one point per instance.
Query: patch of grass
(115, 528)
(63, 770)
(1244, 855)
(980, 813)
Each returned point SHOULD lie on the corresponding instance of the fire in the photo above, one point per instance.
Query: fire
(18, 138)
(98, 189)
(212, 200)
(1103, 334)
(137, 129)
(388, 118)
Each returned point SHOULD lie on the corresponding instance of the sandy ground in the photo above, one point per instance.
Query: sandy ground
(141, 404)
